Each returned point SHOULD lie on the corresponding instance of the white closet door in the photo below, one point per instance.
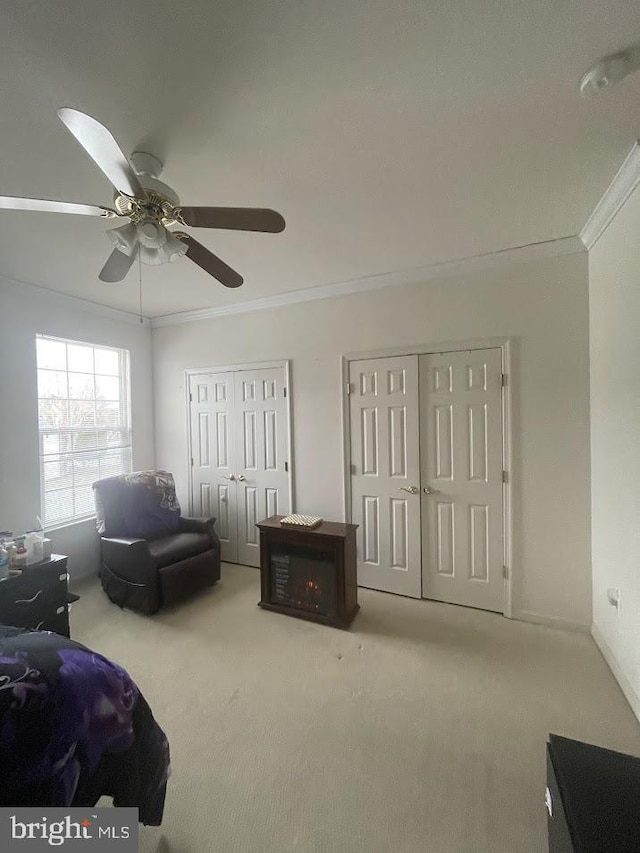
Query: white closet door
(213, 449)
(461, 450)
(240, 454)
(261, 455)
(385, 473)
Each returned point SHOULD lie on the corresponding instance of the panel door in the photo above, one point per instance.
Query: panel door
(261, 455)
(213, 456)
(461, 476)
(385, 493)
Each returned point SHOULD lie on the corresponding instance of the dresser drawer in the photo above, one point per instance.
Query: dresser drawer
(32, 587)
(37, 597)
(57, 621)
(43, 599)
(43, 618)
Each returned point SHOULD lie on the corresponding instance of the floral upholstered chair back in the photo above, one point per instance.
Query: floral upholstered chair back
(142, 504)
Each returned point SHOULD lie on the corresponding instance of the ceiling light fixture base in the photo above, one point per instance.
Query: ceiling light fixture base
(609, 70)
(146, 164)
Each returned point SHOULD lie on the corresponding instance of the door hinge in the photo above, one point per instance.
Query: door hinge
(348, 384)
(503, 379)
(286, 466)
(505, 476)
(192, 461)
(353, 468)
(505, 572)
(190, 397)
(284, 391)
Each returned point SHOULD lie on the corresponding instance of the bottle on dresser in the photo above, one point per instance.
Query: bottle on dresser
(33, 543)
(4, 561)
(7, 549)
(19, 561)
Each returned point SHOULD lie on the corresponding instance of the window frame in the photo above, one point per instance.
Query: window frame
(94, 454)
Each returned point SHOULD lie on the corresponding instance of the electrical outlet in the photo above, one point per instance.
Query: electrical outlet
(613, 596)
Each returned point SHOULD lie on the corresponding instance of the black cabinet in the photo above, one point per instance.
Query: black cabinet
(37, 597)
(592, 798)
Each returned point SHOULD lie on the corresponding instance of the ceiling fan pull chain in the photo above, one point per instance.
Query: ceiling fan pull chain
(140, 285)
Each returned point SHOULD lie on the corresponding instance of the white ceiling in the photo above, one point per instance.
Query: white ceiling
(390, 134)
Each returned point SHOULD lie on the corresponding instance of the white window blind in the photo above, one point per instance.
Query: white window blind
(84, 415)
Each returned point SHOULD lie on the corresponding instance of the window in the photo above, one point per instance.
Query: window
(84, 415)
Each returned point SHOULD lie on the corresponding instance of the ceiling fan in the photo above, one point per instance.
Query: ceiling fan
(150, 207)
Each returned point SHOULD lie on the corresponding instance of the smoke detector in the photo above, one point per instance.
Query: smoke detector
(608, 70)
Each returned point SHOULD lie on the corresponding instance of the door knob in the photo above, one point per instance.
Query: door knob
(241, 478)
(229, 476)
(428, 490)
(413, 490)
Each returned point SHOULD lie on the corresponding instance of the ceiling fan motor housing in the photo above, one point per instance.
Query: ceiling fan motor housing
(151, 215)
(160, 200)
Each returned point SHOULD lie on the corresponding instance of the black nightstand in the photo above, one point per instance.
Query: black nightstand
(593, 798)
(37, 597)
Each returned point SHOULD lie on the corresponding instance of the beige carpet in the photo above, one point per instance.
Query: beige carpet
(423, 728)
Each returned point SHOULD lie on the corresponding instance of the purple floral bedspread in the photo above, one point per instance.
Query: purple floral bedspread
(74, 727)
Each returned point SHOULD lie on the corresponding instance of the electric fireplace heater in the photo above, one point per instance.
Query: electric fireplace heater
(309, 573)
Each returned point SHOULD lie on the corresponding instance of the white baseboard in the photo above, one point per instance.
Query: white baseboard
(625, 685)
(551, 621)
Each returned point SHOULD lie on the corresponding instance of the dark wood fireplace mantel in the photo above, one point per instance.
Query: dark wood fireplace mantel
(309, 573)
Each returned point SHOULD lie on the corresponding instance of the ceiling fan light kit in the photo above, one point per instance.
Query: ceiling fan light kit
(608, 70)
(151, 207)
(124, 238)
(151, 233)
(151, 256)
(174, 248)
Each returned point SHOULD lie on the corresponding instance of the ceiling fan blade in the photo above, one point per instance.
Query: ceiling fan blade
(104, 151)
(210, 263)
(11, 203)
(233, 218)
(117, 266)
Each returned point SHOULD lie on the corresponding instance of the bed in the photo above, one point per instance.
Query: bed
(74, 727)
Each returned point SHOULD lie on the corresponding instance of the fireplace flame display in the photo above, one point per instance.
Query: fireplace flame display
(309, 594)
(303, 582)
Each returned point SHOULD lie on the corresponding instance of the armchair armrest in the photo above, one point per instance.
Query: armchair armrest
(129, 559)
(195, 525)
(200, 525)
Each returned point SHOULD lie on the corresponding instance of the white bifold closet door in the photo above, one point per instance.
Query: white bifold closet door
(461, 462)
(385, 473)
(240, 454)
(426, 475)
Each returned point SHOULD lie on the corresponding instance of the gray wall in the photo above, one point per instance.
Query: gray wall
(542, 305)
(26, 311)
(614, 284)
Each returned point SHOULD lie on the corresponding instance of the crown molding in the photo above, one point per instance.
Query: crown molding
(75, 303)
(618, 191)
(418, 275)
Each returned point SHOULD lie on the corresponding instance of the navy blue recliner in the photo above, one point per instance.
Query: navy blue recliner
(151, 555)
